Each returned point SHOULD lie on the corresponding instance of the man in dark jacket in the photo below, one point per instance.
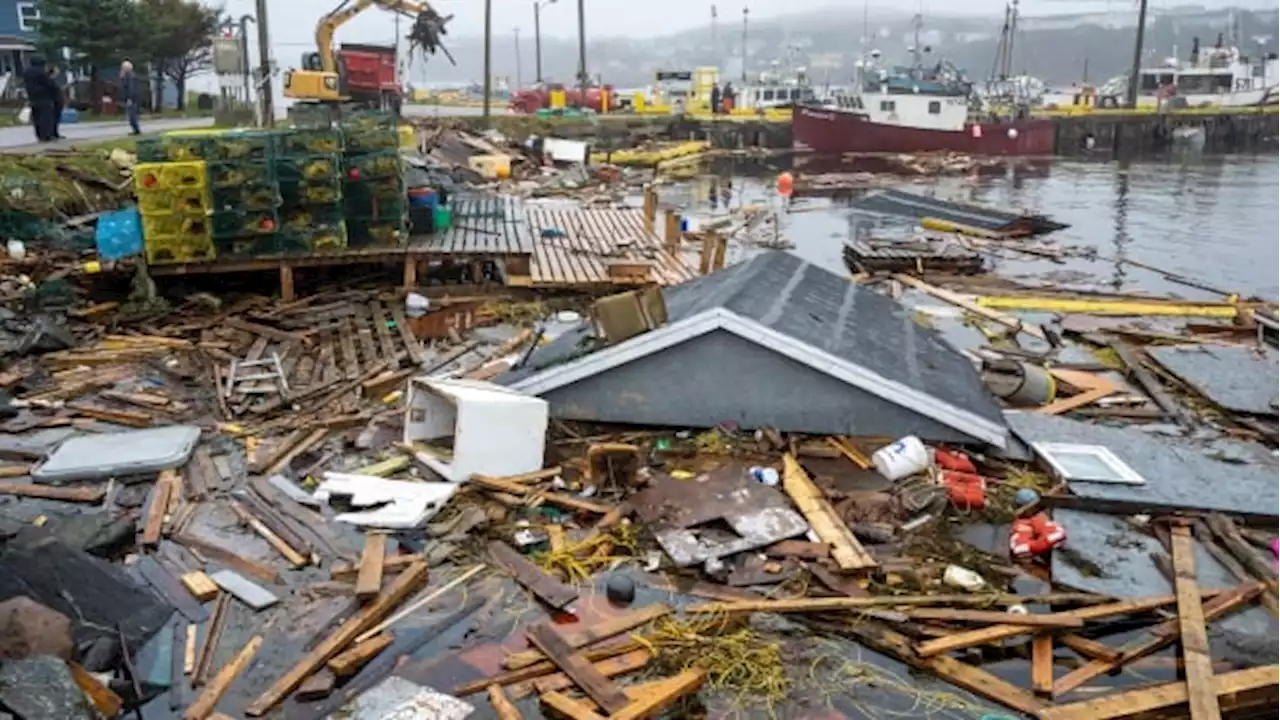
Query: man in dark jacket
(129, 95)
(59, 100)
(41, 92)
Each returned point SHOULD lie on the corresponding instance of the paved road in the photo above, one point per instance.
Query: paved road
(22, 138)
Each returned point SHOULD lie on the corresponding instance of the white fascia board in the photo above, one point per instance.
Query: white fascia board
(721, 319)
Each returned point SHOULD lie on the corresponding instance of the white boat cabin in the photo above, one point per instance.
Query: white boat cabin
(924, 111)
(1216, 77)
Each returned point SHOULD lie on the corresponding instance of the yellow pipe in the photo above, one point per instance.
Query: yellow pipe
(940, 225)
(1108, 307)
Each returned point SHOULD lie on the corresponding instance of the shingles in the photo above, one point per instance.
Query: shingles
(822, 310)
(1240, 379)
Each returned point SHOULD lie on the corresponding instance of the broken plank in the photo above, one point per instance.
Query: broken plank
(502, 705)
(379, 316)
(576, 504)
(189, 649)
(127, 418)
(213, 633)
(13, 471)
(992, 617)
(499, 484)
(395, 563)
(369, 577)
(1085, 647)
(1197, 664)
(349, 661)
(530, 576)
(570, 708)
(597, 687)
(289, 552)
(846, 551)
(609, 667)
(92, 494)
(168, 587)
(208, 700)
(545, 667)
(1140, 702)
(524, 478)
(1160, 637)
(411, 343)
(228, 558)
(407, 582)
(960, 301)
(282, 462)
(1042, 664)
(269, 333)
(419, 603)
(602, 630)
(829, 604)
(1229, 535)
(153, 522)
(350, 360)
(655, 697)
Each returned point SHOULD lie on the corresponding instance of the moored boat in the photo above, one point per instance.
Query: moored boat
(826, 129)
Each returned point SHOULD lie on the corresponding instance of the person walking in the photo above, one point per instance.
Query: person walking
(59, 101)
(129, 95)
(41, 92)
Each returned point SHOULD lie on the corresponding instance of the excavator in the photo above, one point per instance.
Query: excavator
(322, 79)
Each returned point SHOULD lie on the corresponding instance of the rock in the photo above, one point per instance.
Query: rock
(29, 628)
(41, 688)
(620, 589)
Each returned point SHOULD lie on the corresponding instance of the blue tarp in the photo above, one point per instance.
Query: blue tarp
(119, 234)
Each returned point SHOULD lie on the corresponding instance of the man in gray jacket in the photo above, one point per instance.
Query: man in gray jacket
(129, 95)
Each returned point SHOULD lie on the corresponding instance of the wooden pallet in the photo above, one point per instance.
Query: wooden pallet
(583, 247)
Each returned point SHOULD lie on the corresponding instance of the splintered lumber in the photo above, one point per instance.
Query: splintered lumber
(153, 522)
(264, 331)
(992, 617)
(1042, 664)
(597, 687)
(570, 708)
(576, 504)
(1196, 662)
(282, 460)
(93, 494)
(1141, 702)
(602, 630)
(500, 484)
(107, 702)
(369, 578)
(290, 553)
(420, 602)
(833, 604)
(1204, 536)
(525, 478)
(200, 585)
(13, 471)
(395, 563)
(501, 705)
(208, 700)
(985, 635)
(407, 582)
(1085, 647)
(189, 651)
(1161, 636)
(655, 697)
(1229, 535)
(847, 552)
(962, 302)
(212, 634)
(316, 687)
(609, 667)
(545, 667)
(228, 558)
(1094, 388)
(349, 661)
(530, 576)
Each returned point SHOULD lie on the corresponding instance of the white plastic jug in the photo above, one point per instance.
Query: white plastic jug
(903, 458)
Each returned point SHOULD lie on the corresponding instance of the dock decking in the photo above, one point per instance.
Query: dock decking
(581, 247)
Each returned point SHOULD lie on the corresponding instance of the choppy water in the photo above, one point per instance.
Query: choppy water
(1213, 219)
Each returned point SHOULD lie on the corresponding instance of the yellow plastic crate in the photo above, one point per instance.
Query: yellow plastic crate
(170, 175)
(164, 201)
(176, 228)
(161, 252)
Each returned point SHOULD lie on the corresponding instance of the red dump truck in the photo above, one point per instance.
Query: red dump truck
(529, 101)
(368, 74)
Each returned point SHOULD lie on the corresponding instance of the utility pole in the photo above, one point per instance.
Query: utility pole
(582, 52)
(519, 80)
(244, 58)
(745, 12)
(488, 57)
(264, 69)
(715, 55)
(537, 42)
(1134, 72)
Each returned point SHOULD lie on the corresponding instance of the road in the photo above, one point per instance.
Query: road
(21, 138)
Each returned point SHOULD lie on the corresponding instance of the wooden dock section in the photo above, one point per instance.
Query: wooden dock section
(588, 248)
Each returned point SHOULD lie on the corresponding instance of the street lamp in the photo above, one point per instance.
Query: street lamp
(537, 36)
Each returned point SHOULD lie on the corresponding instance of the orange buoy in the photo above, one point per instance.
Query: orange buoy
(785, 182)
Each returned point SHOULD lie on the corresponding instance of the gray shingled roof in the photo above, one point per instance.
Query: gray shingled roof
(818, 308)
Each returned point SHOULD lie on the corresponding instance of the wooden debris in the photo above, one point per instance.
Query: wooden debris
(991, 617)
(281, 460)
(543, 586)
(651, 699)
(603, 630)
(965, 303)
(1042, 664)
(1256, 686)
(104, 700)
(208, 700)
(609, 667)
(189, 649)
(407, 582)
(153, 522)
(13, 471)
(127, 418)
(1197, 664)
(829, 604)
(290, 553)
(846, 551)
(213, 632)
(369, 578)
(545, 667)
(1095, 388)
(93, 494)
(598, 687)
(501, 705)
(394, 563)
(316, 687)
(420, 602)
(228, 558)
(347, 662)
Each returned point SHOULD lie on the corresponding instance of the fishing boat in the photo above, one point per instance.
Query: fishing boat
(1220, 76)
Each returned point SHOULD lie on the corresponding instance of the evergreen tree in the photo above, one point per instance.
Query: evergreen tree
(99, 33)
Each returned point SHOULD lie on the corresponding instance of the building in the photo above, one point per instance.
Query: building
(18, 20)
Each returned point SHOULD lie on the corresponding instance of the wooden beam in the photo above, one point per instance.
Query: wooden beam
(394, 563)
(1135, 703)
(297, 559)
(530, 576)
(407, 582)
(93, 494)
(153, 522)
(539, 669)
(1042, 664)
(1195, 639)
(1160, 637)
(991, 617)
(830, 604)
(369, 578)
(419, 603)
(971, 306)
(501, 705)
(208, 700)
(846, 551)
(347, 662)
(570, 708)
(655, 697)
(200, 585)
(609, 667)
(598, 687)
(228, 558)
(1091, 649)
(603, 630)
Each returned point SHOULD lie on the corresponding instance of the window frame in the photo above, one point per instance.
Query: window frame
(935, 107)
(1123, 474)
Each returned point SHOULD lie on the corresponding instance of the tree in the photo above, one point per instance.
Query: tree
(99, 33)
(180, 41)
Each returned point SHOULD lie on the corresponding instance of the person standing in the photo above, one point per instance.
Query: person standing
(715, 98)
(40, 95)
(129, 95)
(59, 100)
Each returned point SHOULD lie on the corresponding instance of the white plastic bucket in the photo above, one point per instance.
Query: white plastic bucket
(905, 457)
